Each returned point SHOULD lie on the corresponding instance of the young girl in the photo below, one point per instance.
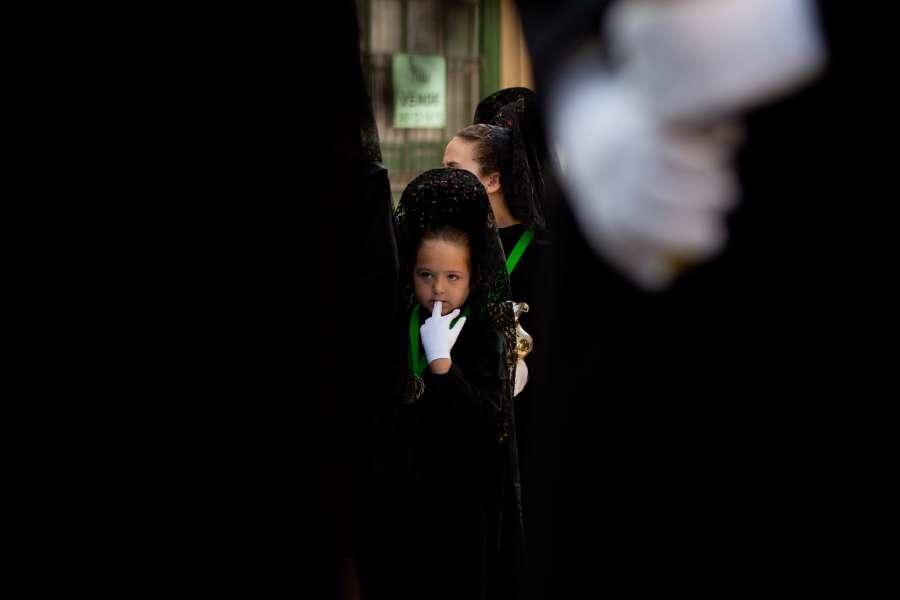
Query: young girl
(457, 349)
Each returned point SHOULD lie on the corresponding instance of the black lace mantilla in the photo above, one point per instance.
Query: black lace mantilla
(516, 110)
(454, 197)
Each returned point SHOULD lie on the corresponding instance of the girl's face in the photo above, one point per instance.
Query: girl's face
(442, 273)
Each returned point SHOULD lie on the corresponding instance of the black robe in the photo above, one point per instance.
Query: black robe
(438, 465)
(693, 448)
(524, 281)
(235, 351)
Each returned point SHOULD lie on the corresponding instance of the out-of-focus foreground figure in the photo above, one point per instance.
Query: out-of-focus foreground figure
(649, 132)
(691, 447)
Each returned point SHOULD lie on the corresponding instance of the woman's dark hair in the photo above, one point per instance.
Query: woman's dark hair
(493, 147)
(516, 110)
(501, 150)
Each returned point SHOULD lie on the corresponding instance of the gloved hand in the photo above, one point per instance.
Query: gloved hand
(648, 195)
(649, 137)
(708, 59)
(437, 335)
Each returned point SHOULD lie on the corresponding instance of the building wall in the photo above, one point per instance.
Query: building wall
(482, 43)
(515, 64)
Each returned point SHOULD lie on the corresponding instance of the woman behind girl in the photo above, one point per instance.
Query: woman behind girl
(506, 149)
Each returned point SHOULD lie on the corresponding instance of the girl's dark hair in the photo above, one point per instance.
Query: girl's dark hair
(447, 233)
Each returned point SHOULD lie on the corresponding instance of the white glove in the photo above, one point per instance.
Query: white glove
(437, 335)
(701, 59)
(648, 137)
(646, 194)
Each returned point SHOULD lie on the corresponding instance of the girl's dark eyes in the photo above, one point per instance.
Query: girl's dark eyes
(429, 274)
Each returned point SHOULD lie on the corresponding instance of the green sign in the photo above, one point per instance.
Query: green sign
(420, 91)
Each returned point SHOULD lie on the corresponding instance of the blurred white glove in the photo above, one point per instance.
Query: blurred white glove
(647, 195)
(437, 335)
(648, 138)
(701, 59)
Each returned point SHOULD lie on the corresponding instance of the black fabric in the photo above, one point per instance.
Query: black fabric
(489, 107)
(458, 471)
(260, 234)
(517, 110)
(207, 334)
(449, 509)
(454, 197)
(523, 280)
(693, 448)
(525, 283)
(438, 479)
(370, 141)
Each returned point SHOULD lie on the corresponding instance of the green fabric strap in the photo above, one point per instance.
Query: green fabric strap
(519, 250)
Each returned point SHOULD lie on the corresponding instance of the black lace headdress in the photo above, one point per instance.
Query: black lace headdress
(453, 197)
(516, 110)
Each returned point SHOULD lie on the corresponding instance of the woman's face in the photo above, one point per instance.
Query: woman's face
(460, 154)
(442, 273)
